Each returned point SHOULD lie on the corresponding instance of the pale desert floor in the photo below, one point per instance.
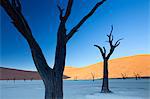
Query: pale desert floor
(122, 89)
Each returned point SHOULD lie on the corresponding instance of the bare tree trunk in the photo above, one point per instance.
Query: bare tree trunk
(54, 87)
(93, 79)
(105, 84)
(52, 82)
(52, 77)
(59, 64)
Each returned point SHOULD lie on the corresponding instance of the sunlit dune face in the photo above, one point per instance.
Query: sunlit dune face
(129, 66)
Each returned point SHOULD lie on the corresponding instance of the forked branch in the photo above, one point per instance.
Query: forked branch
(68, 11)
(103, 51)
(112, 46)
(61, 12)
(110, 37)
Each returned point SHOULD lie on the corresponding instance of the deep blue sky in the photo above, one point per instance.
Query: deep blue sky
(130, 19)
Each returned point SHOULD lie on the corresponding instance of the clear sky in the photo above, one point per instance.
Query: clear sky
(130, 19)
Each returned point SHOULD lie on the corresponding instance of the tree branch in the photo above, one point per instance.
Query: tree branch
(61, 12)
(14, 12)
(68, 11)
(112, 46)
(104, 50)
(110, 52)
(16, 5)
(118, 42)
(110, 37)
(17, 17)
(101, 50)
(75, 28)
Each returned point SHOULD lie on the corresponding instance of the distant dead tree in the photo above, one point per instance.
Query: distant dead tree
(124, 76)
(52, 77)
(105, 84)
(93, 76)
(137, 76)
(31, 78)
(76, 78)
(14, 79)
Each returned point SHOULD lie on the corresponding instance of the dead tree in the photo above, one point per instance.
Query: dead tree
(137, 76)
(124, 76)
(93, 76)
(52, 77)
(105, 84)
(32, 79)
(75, 78)
(14, 79)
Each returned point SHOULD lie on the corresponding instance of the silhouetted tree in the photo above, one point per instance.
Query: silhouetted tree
(137, 76)
(93, 76)
(31, 78)
(14, 79)
(52, 77)
(105, 84)
(76, 78)
(124, 76)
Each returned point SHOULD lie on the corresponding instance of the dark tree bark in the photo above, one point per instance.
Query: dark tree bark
(52, 77)
(105, 83)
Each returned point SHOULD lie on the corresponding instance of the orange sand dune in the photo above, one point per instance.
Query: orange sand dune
(127, 65)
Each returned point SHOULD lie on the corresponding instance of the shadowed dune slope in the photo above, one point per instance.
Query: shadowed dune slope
(11, 74)
(131, 65)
